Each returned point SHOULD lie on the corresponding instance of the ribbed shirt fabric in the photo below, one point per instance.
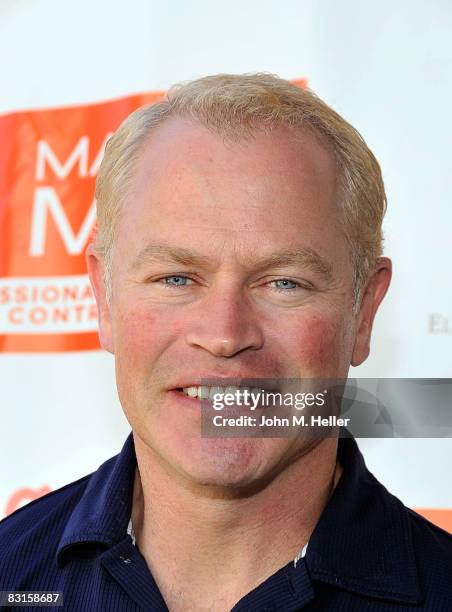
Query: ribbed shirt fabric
(368, 552)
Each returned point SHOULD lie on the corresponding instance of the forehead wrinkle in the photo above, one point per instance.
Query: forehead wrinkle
(303, 256)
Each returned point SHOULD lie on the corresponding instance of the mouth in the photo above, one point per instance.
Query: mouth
(203, 392)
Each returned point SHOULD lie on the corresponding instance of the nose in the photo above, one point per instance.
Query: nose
(225, 324)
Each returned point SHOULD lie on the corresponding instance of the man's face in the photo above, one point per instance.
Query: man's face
(230, 261)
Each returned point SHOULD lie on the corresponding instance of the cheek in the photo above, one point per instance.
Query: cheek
(320, 345)
(134, 330)
(140, 338)
(142, 334)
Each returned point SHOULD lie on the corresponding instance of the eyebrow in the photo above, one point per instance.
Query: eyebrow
(303, 256)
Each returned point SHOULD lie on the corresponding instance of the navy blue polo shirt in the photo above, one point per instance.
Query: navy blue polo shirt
(367, 552)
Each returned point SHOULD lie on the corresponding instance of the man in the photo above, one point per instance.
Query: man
(239, 237)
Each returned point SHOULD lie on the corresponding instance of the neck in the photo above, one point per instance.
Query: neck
(185, 533)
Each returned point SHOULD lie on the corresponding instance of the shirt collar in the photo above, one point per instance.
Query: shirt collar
(102, 514)
(361, 543)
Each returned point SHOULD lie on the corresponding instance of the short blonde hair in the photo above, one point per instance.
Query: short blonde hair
(236, 106)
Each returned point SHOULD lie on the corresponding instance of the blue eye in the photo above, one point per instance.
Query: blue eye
(285, 283)
(176, 280)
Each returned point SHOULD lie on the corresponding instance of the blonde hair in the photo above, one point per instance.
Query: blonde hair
(235, 106)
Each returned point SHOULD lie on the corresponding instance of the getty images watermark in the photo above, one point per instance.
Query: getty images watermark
(322, 408)
(259, 398)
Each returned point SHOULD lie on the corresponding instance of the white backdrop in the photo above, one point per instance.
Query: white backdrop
(386, 67)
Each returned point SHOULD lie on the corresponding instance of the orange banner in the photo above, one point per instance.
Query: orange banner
(440, 516)
(48, 164)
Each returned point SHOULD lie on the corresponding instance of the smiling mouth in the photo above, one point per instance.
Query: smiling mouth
(210, 393)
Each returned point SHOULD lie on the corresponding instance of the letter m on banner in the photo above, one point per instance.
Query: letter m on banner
(48, 164)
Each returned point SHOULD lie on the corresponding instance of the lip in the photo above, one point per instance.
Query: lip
(221, 380)
(195, 404)
(187, 402)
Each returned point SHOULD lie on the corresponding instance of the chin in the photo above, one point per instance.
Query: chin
(228, 462)
(220, 481)
(216, 462)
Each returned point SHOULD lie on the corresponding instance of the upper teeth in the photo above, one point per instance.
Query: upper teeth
(210, 392)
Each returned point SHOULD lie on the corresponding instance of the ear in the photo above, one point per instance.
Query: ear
(95, 267)
(373, 295)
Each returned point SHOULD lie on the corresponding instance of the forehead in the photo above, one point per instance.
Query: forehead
(180, 145)
(192, 184)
